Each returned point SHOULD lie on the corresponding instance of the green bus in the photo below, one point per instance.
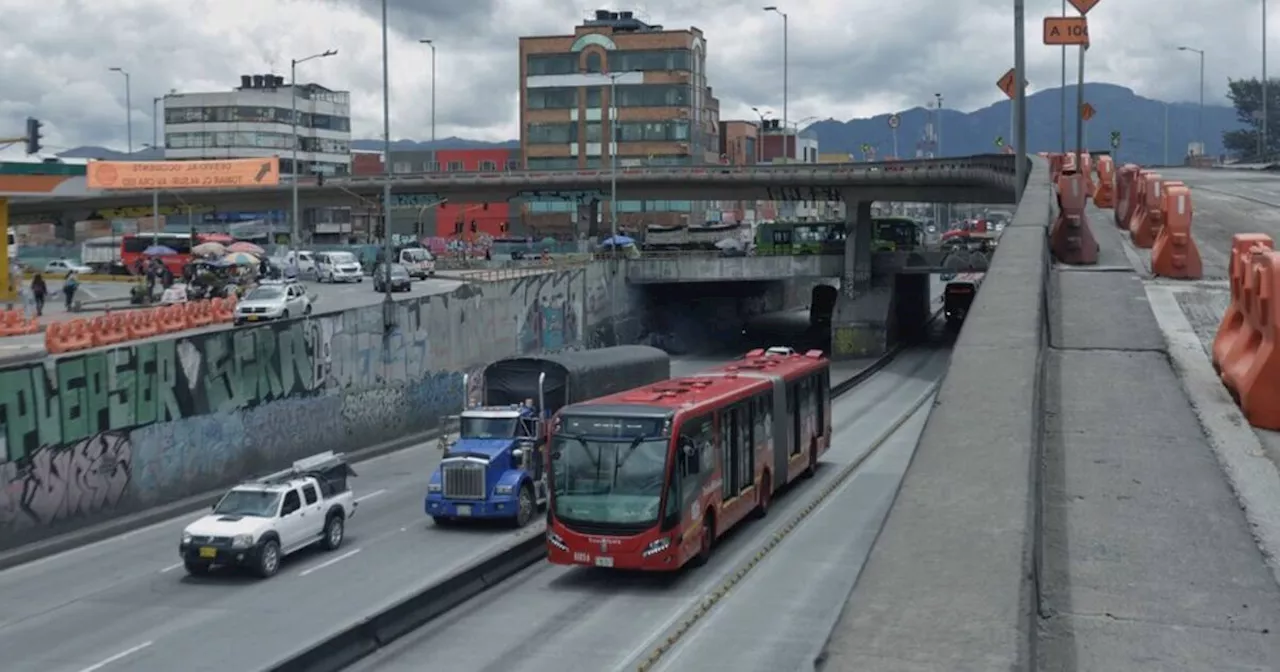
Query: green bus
(800, 238)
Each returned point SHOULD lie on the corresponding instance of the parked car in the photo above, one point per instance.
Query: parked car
(273, 301)
(65, 266)
(401, 281)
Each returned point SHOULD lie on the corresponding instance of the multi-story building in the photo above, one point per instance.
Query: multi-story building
(425, 218)
(665, 115)
(254, 120)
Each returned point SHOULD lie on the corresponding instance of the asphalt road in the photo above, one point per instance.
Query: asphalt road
(1228, 202)
(568, 619)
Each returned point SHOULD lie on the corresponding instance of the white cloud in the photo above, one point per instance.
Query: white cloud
(848, 58)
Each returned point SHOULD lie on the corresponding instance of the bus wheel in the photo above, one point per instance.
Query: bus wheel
(762, 507)
(708, 540)
(813, 460)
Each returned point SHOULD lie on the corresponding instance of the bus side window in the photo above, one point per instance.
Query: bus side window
(697, 443)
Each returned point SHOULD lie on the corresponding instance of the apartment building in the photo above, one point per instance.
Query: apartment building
(664, 115)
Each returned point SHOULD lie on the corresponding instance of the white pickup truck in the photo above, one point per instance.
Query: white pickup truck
(260, 521)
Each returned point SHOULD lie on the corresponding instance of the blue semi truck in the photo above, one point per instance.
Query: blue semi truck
(495, 469)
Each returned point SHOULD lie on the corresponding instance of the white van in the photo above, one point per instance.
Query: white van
(338, 267)
(419, 261)
(306, 262)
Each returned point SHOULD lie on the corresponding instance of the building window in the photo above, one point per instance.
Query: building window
(513, 164)
(653, 95)
(660, 131)
(552, 134)
(401, 167)
(558, 98)
(254, 115)
(594, 132)
(431, 166)
(553, 164)
(658, 59)
(551, 64)
(455, 167)
(488, 166)
(594, 97)
(594, 62)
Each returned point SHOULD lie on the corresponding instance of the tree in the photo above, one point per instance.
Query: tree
(1246, 97)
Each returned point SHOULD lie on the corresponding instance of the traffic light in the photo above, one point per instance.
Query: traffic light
(33, 135)
(474, 228)
(504, 227)
(457, 227)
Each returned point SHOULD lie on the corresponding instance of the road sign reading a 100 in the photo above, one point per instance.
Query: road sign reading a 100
(1115, 139)
(894, 121)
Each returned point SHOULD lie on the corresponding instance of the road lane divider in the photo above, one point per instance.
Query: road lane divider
(371, 633)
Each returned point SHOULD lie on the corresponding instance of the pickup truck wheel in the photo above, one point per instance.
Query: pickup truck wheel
(525, 506)
(196, 568)
(268, 559)
(334, 529)
(442, 521)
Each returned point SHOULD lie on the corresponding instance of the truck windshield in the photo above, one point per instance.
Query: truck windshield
(608, 480)
(488, 428)
(257, 503)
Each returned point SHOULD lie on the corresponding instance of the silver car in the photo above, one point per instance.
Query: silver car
(273, 301)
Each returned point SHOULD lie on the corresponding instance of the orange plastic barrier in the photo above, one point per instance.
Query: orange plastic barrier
(1126, 194)
(109, 329)
(1086, 161)
(199, 313)
(223, 310)
(1149, 218)
(1251, 370)
(1104, 196)
(170, 319)
(1070, 238)
(1175, 254)
(139, 324)
(16, 323)
(1056, 162)
(1231, 331)
(68, 336)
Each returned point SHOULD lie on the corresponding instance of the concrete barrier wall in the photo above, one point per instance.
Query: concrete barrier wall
(92, 436)
(951, 583)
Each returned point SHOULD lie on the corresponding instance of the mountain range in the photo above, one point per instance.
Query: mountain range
(1149, 129)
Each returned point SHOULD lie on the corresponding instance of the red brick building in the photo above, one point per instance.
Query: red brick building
(492, 219)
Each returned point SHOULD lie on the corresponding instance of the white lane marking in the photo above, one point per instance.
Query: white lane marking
(370, 495)
(327, 563)
(183, 518)
(107, 661)
(170, 568)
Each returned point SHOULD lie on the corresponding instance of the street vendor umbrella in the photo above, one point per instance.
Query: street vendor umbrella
(618, 241)
(241, 259)
(209, 250)
(159, 251)
(247, 248)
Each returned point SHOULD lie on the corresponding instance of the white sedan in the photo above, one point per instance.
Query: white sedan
(273, 301)
(65, 266)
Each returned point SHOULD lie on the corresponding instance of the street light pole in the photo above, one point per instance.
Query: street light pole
(388, 249)
(1020, 96)
(128, 106)
(760, 135)
(1062, 92)
(431, 44)
(1200, 113)
(1262, 137)
(613, 161)
(296, 229)
(155, 192)
(786, 151)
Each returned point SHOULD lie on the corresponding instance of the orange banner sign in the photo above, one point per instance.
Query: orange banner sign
(174, 175)
(1064, 31)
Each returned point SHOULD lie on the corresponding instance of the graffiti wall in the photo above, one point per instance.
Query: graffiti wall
(103, 433)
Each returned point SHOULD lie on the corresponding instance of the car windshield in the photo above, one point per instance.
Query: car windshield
(398, 271)
(417, 254)
(342, 257)
(259, 503)
(264, 293)
(608, 481)
(488, 428)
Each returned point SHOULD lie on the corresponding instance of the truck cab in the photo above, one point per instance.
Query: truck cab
(496, 467)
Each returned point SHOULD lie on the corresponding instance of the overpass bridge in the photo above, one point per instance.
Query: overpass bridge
(655, 268)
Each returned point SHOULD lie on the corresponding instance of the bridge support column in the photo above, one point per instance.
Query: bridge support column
(860, 321)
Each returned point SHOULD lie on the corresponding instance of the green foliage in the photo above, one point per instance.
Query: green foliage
(1246, 97)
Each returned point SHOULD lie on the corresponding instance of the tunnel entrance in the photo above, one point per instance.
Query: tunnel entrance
(730, 318)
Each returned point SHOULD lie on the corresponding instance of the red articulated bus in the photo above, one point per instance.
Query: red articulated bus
(650, 478)
(133, 245)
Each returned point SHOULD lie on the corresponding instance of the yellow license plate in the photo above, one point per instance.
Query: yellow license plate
(208, 552)
(253, 318)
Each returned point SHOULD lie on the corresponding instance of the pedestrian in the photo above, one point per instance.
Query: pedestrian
(39, 291)
(69, 287)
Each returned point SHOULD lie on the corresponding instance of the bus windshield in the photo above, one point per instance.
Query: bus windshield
(608, 480)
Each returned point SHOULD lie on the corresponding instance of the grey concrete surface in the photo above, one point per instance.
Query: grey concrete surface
(803, 582)
(948, 584)
(1228, 202)
(1101, 309)
(569, 619)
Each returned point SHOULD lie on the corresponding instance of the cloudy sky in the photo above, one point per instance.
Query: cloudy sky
(848, 58)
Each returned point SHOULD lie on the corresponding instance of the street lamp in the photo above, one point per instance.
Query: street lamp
(128, 105)
(1200, 114)
(293, 99)
(155, 144)
(613, 159)
(1262, 136)
(779, 12)
(388, 317)
(760, 136)
(431, 44)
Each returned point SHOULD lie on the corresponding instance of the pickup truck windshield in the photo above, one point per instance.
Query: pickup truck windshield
(488, 428)
(608, 481)
(249, 503)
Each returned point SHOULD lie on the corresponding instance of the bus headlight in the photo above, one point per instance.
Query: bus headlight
(656, 547)
(502, 489)
(555, 540)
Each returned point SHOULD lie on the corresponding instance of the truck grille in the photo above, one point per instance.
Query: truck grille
(463, 480)
(210, 541)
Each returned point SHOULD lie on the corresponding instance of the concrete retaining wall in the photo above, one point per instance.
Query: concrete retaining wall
(92, 436)
(951, 582)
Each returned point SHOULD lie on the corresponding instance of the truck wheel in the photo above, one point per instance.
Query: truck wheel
(268, 559)
(334, 529)
(196, 568)
(525, 505)
(442, 521)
